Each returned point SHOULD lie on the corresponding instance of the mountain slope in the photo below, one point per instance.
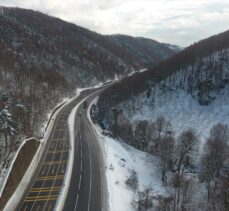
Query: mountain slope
(43, 58)
(189, 61)
(146, 52)
(199, 75)
(178, 112)
(69, 49)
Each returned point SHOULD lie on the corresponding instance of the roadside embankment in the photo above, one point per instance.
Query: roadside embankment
(19, 168)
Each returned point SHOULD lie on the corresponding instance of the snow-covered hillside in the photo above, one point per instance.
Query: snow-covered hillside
(180, 120)
(184, 111)
(179, 97)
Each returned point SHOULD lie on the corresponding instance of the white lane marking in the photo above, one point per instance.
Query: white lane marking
(60, 145)
(53, 169)
(81, 166)
(42, 173)
(76, 202)
(62, 169)
(89, 200)
(80, 181)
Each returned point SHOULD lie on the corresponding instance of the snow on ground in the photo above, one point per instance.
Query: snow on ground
(171, 98)
(5, 171)
(120, 159)
(184, 111)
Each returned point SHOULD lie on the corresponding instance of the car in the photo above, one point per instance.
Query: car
(85, 104)
(107, 133)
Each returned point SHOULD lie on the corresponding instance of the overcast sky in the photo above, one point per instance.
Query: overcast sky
(180, 22)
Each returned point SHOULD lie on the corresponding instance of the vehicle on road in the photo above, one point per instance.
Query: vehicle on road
(85, 104)
(107, 133)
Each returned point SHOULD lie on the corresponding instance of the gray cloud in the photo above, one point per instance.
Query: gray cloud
(175, 21)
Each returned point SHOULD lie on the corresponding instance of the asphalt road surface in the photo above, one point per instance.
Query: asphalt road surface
(85, 192)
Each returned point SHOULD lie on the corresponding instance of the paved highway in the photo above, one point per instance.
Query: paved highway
(85, 192)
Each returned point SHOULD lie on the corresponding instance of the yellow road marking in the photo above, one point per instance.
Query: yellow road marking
(41, 197)
(44, 190)
(25, 208)
(48, 199)
(50, 177)
(38, 208)
(55, 162)
(47, 188)
(57, 151)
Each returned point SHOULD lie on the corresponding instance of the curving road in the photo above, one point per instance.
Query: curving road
(86, 191)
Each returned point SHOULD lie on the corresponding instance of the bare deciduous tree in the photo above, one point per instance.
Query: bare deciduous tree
(166, 154)
(141, 135)
(159, 129)
(181, 192)
(187, 142)
(213, 160)
(144, 200)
